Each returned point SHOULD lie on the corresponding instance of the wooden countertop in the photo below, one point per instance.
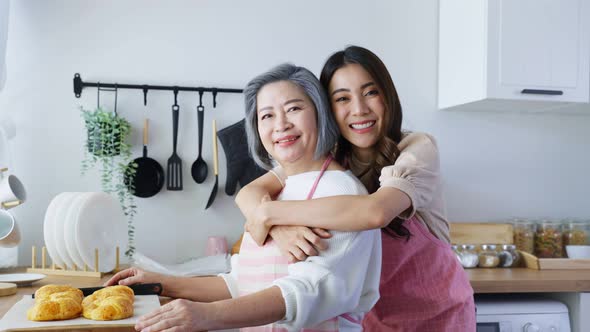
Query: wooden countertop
(523, 280)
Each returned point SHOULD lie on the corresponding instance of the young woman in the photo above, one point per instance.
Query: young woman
(423, 287)
(288, 121)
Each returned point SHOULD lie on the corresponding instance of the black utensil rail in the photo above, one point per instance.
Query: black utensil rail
(79, 85)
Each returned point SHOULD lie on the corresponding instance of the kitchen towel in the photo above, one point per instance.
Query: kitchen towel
(203, 266)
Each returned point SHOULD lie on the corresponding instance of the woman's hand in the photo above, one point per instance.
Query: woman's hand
(299, 242)
(133, 276)
(178, 315)
(257, 226)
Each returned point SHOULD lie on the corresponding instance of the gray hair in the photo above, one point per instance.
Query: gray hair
(327, 128)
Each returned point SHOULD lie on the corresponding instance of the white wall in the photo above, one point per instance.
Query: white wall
(495, 165)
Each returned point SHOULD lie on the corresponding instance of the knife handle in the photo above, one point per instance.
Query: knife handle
(138, 289)
(147, 289)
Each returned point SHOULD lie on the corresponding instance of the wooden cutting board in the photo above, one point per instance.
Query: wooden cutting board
(7, 288)
(481, 233)
(16, 318)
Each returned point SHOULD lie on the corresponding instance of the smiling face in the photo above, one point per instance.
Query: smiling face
(357, 103)
(287, 124)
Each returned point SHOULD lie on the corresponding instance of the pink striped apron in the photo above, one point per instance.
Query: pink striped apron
(423, 287)
(260, 266)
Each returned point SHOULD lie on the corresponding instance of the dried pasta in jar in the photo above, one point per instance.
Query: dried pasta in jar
(549, 240)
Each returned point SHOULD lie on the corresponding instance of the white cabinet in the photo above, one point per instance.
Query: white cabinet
(513, 50)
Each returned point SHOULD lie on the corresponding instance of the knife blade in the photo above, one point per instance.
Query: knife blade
(138, 289)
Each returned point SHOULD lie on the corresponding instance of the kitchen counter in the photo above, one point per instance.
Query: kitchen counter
(517, 280)
(523, 280)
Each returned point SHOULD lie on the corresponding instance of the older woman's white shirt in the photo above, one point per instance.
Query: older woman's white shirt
(342, 279)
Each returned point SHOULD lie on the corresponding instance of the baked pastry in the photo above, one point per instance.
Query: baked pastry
(56, 302)
(109, 303)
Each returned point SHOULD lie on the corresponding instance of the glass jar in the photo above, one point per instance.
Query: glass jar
(509, 256)
(468, 256)
(549, 240)
(488, 256)
(575, 233)
(524, 235)
(455, 249)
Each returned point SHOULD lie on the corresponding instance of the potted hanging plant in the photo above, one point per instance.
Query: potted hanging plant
(106, 147)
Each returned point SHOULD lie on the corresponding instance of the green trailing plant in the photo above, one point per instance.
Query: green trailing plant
(106, 147)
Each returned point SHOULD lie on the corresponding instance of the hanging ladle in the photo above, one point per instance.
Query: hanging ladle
(199, 168)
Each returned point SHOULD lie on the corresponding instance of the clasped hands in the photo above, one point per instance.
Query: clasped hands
(295, 242)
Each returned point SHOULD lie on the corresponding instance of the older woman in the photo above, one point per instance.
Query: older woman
(288, 121)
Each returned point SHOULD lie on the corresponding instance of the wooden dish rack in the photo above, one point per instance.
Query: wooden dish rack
(74, 270)
(494, 233)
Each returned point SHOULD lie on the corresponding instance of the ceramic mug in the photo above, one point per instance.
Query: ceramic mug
(11, 189)
(9, 232)
(216, 245)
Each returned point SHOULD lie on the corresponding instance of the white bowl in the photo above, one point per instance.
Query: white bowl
(578, 252)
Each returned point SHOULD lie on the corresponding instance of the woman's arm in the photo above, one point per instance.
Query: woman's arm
(264, 307)
(343, 213)
(296, 243)
(249, 197)
(203, 289)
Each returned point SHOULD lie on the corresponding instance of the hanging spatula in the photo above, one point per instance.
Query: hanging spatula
(215, 167)
(174, 175)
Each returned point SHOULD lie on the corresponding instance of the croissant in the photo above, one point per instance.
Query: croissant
(56, 302)
(110, 303)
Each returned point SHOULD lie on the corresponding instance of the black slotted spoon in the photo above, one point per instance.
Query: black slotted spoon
(174, 178)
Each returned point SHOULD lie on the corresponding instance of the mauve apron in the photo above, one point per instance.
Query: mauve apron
(423, 287)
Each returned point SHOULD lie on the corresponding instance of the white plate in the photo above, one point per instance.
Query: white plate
(21, 279)
(101, 225)
(49, 228)
(69, 228)
(59, 238)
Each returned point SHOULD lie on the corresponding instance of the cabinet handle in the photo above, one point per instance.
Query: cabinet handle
(542, 92)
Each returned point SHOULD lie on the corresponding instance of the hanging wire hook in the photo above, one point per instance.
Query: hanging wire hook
(145, 91)
(175, 96)
(97, 94)
(214, 97)
(116, 93)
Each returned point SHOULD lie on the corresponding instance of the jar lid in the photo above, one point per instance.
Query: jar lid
(488, 247)
(508, 247)
(522, 221)
(468, 246)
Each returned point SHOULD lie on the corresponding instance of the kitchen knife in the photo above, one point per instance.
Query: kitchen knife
(138, 289)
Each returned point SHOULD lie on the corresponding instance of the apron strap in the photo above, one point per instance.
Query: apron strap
(317, 180)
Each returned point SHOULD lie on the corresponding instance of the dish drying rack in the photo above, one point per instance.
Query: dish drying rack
(73, 271)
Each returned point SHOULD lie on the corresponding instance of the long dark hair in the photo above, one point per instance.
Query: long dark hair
(385, 151)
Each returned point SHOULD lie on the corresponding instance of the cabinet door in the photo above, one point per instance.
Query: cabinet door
(539, 49)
